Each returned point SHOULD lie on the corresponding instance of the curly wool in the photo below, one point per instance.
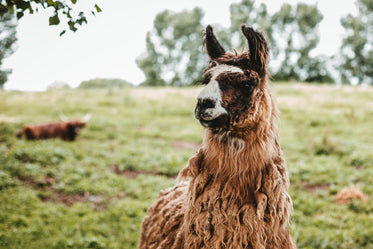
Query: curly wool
(232, 194)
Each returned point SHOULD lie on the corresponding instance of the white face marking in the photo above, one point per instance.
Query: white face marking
(213, 92)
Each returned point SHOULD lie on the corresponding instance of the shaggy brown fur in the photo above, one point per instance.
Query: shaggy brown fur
(233, 192)
(64, 130)
(348, 194)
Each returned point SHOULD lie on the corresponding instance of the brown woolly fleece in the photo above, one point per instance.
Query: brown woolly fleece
(233, 193)
(348, 194)
(65, 130)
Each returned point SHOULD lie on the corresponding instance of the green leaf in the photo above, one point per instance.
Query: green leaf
(54, 20)
(73, 1)
(62, 33)
(58, 5)
(50, 2)
(23, 5)
(19, 15)
(72, 26)
(98, 9)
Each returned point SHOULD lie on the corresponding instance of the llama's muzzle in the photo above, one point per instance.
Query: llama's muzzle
(209, 113)
(205, 109)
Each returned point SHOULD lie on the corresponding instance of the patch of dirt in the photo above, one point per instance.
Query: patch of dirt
(39, 183)
(132, 174)
(50, 194)
(98, 202)
(186, 145)
(70, 199)
(311, 188)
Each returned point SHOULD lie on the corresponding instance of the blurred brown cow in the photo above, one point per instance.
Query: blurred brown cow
(66, 130)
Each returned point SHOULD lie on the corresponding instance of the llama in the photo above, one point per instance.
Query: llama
(233, 193)
(66, 130)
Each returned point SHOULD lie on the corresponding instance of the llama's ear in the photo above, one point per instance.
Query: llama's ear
(212, 45)
(258, 49)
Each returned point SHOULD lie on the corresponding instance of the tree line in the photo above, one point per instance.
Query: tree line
(173, 47)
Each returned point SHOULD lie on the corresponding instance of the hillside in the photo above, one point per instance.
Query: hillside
(94, 192)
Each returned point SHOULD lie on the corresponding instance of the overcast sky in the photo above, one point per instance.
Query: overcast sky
(109, 44)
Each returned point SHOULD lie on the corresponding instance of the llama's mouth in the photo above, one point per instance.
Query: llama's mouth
(216, 123)
(204, 123)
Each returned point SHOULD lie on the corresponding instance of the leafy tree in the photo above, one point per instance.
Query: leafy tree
(173, 49)
(173, 56)
(292, 34)
(246, 12)
(295, 35)
(149, 64)
(8, 38)
(357, 46)
(316, 70)
(61, 8)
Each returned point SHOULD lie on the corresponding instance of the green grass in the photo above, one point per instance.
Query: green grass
(94, 192)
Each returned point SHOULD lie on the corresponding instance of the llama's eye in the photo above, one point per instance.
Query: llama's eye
(250, 83)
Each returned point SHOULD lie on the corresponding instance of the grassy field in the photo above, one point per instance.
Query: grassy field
(94, 192)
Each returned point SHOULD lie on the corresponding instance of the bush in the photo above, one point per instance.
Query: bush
(104, 83)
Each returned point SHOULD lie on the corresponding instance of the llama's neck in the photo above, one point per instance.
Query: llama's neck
(239, 159)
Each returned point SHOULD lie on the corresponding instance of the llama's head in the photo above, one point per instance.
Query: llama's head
(235, 84)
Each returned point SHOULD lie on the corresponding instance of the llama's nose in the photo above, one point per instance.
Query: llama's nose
(201, 111)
